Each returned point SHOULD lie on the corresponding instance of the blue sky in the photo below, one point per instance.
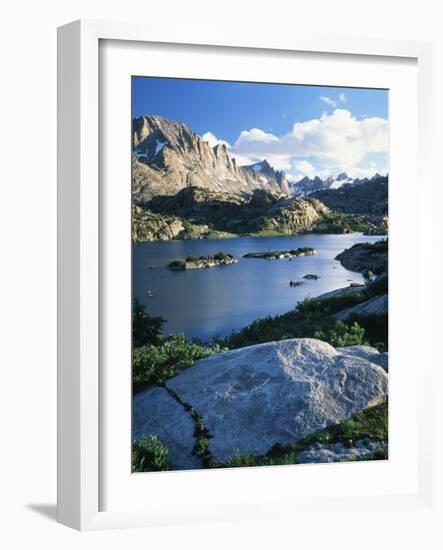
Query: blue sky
(305, 130)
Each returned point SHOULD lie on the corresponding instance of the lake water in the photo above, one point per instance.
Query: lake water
(204, 303)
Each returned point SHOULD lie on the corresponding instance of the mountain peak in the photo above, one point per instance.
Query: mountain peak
(342, 176)
(169, 156)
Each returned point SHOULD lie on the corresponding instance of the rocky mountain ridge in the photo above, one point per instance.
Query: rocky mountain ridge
(168, 157)
(362, 197)
(306, 185)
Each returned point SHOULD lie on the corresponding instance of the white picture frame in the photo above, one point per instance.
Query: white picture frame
(80, 411)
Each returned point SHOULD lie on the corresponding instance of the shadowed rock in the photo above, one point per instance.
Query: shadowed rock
(374, 307)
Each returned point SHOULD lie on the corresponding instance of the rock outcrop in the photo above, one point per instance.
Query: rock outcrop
(203, 262)
(366, 257)
(149, 226)
(253, 398)
(230, 213)
(361, 197)
(374, 307)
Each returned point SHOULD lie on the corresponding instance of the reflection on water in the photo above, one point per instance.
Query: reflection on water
(212, 302)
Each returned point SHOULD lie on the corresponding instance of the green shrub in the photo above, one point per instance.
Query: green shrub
(310, 319)
(149, 454)
(376, 328)
(146, 329)
(221, 256)
(342, 335)
(153, 364)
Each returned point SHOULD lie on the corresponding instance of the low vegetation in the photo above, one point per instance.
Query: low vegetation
(310, 319)
(149, 454)
(314, 318)
(338, 223)
(155, 363)
(156, 358)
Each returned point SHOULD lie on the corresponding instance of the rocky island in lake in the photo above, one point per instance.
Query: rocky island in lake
(281, 254)
(202, 262)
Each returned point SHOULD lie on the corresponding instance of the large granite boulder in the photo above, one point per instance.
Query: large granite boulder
(277, 392)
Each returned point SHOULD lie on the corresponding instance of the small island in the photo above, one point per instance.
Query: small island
(281, 254)
(202, 262)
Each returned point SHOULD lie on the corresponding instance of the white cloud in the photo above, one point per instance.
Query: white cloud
(328, 101)
(336, 141)
(333, 143)
(342, 98)
(213, 140)
(304, 167)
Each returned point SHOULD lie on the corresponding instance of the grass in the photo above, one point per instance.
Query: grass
(150, 454)
(153, 364)
(310, 319)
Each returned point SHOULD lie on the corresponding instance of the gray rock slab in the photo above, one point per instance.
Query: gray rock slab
(155, 412)
(333, 452)
(339, 292)
(278, 392)
(375, 306)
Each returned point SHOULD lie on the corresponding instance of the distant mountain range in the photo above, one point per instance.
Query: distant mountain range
(306, 186)
(168, 157)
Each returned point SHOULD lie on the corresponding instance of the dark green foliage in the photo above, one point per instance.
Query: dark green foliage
(371, 423)
(149, 454)
(338, 223)
(222, 256)
(376, 328)
(378, 287)
(177, 264)
(310, 319)
(153, 364)
(146, 329)
(202, 436)
(201, 432)
(343, 334)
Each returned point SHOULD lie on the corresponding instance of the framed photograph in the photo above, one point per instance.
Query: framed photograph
(240, 231)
